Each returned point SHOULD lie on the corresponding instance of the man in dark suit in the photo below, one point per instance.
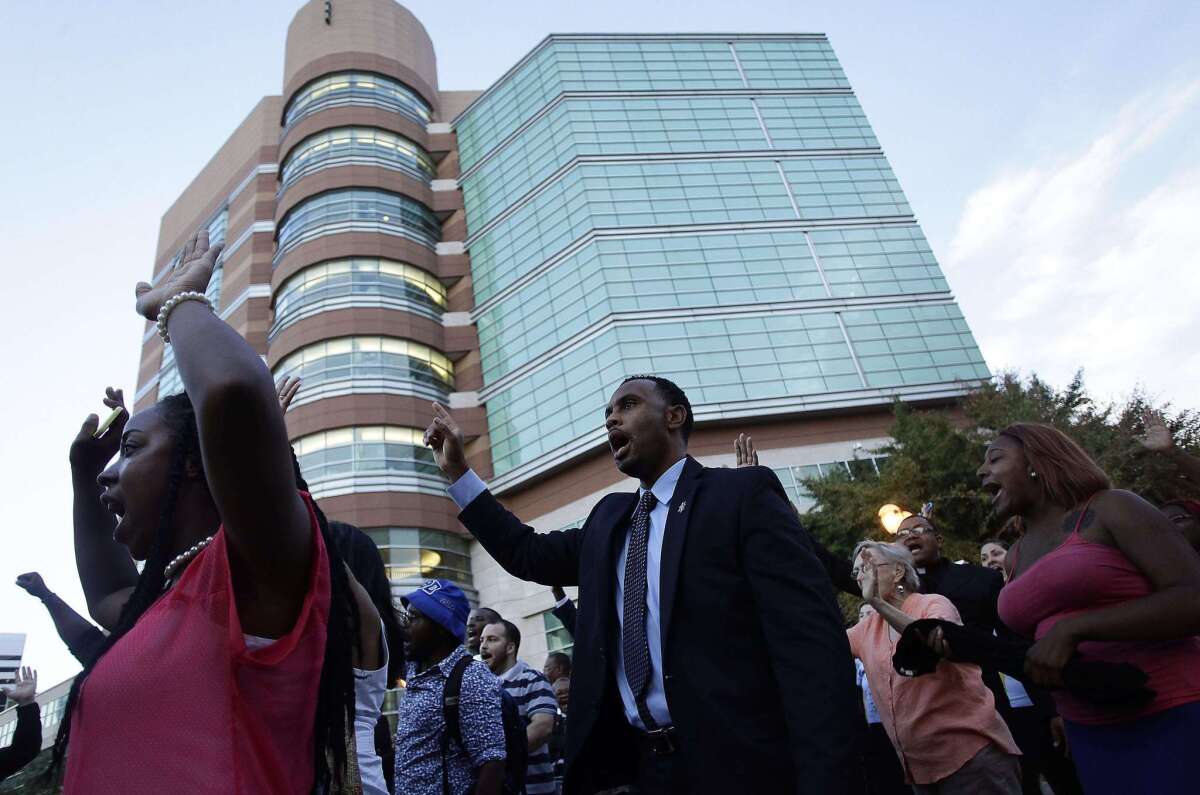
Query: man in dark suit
(710, 655)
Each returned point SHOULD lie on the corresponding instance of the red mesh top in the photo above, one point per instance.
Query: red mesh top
(1080, 576)
(181, 705)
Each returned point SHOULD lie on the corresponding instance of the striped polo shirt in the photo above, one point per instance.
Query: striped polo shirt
(533, 695)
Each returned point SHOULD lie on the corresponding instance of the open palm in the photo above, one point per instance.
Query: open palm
(1157, 435)
(191, 273)
(24, 686)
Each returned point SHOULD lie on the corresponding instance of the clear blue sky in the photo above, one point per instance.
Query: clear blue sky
(1050, 151)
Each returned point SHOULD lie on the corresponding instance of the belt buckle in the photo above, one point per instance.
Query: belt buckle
(662, 741)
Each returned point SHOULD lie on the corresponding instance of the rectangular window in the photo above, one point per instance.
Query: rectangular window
(557, 637)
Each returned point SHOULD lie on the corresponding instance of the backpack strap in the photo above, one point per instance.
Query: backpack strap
(450, 697)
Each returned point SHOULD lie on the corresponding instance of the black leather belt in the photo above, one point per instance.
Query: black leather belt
(660, 742)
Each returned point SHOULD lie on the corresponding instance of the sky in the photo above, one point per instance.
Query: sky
(1049, 150)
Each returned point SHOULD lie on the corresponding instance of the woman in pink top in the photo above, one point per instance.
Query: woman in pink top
(228, 668)
(944, 725)
(1100, 573)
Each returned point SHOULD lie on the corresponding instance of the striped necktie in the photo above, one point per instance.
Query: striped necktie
(635, 648)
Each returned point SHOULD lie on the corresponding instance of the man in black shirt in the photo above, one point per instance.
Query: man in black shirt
(974, 590)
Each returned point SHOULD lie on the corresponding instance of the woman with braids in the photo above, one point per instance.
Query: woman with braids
(1100, 572)
(229, 667)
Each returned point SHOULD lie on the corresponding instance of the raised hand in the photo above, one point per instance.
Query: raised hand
(1157, 436)
(23, 688)
(446, 439)
(33, 584)
(92, 454)
(869, 582)
(743, 448)
(191, 273)
(286, 390)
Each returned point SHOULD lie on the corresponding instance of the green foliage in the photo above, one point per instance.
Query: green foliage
(934, 455)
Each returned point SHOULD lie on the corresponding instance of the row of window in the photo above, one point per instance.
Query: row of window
(356, 88)
(365, 449)
(753, 358)
(655, 125)
(664, 193)
(356, 145)
(412, 555)
(357, 282)
(692, 271)
(51, 717)
(358, 210)
(368, 359)
(648, 65)
(793, 477)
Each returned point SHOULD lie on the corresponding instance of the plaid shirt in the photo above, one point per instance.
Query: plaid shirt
(422, 725)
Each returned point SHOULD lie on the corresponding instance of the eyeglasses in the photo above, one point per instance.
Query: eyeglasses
(916, 530)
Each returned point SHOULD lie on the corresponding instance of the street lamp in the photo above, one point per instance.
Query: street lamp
(890, 516)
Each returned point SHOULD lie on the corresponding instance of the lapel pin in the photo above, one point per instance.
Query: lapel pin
(682, 505)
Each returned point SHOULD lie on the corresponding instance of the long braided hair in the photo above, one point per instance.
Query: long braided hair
(335, 696)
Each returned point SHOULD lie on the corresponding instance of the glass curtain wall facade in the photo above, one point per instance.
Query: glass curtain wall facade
(714, 209)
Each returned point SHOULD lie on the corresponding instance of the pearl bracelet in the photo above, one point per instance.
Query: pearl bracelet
(174, 301)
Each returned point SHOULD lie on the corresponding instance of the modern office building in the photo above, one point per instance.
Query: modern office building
(712, 208)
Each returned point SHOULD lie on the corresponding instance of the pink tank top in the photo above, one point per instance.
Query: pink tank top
(1079, 576)
(180, 704)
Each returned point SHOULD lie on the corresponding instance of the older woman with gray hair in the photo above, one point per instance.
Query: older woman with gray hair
(944, 725)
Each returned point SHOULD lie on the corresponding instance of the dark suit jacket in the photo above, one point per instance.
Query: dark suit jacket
(568, 615)
(756, 666)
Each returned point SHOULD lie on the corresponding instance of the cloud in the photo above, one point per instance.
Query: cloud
(1060, 264)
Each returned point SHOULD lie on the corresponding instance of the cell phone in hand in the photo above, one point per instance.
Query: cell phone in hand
(108, 421)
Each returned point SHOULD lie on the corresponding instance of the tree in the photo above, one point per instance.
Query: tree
(934, 455)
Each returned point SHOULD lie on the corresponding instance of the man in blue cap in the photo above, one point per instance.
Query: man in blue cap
(435, 623)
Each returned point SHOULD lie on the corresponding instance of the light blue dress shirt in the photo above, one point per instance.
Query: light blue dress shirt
(464, 490)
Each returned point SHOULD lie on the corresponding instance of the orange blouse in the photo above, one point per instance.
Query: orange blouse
(937, 721)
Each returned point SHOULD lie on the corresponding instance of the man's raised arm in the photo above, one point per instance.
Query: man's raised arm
(546, 558)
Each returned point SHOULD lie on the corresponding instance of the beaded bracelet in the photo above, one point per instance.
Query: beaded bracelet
(174, 301)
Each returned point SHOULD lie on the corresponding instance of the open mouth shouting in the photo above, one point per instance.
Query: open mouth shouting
(116, 507)
(993, 488)
(619, 442)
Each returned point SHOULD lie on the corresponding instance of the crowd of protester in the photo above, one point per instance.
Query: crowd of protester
(243, 642)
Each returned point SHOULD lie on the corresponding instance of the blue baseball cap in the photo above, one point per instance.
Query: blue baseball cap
(442, 602)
